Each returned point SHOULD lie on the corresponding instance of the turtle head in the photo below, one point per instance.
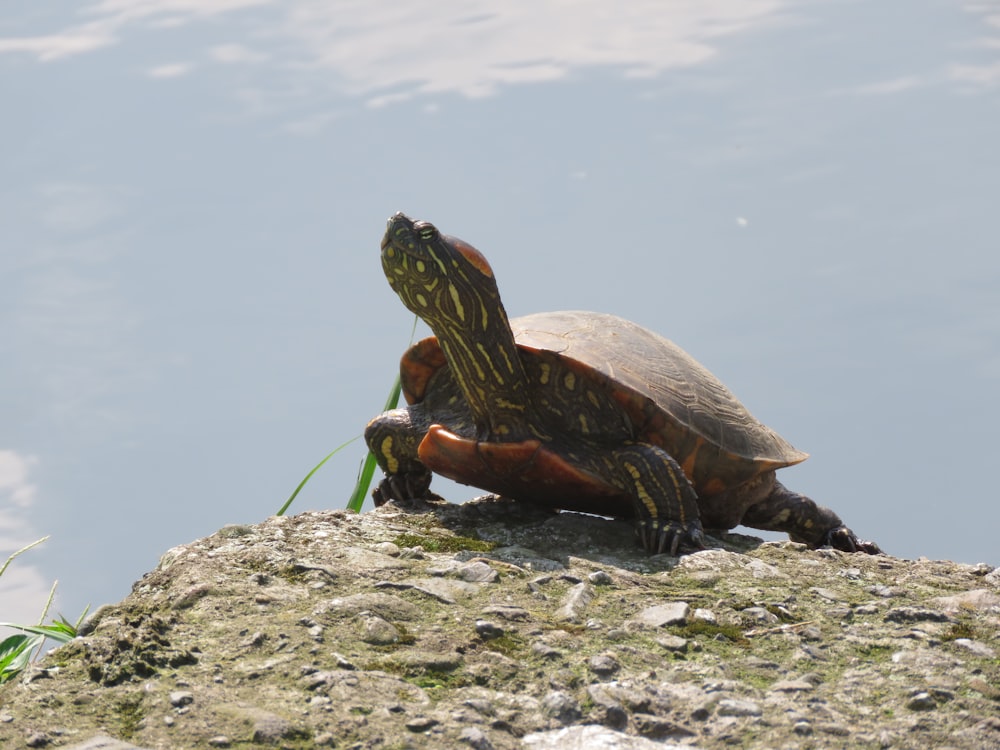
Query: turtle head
(443, 279)
(449, 284)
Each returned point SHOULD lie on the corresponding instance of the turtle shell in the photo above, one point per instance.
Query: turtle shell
(668, 397)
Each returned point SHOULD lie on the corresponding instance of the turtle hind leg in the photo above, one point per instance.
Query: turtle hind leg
(393, 438)
(666, 506)
(804, 521)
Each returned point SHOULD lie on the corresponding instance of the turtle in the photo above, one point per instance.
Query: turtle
(576, 411)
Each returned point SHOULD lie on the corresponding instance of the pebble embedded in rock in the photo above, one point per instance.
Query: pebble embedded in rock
(705, 615)
(673, 643)
(915, 614)
(545, 650)
(378, 632)
(975, 647)
(488, 630)
(180, 698)
(102, 742)
(593, 737)
(760, 569)
(735, 707)
(827, 593)
(561, 706)
(507, 612)
(792, 686)
(921, 702)
(603, 665)
(421, 724)
(475, 738)
(657, 616)
(760, 615)
(477, 572)
(445, 591)
(802, 728)
(575, 602)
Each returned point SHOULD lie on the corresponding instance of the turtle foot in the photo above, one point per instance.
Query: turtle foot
(403, 487)
(670, 537)
(844, 539)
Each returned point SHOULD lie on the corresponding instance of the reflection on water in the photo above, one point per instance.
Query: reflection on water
(402, 49)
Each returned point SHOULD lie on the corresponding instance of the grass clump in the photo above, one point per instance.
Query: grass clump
(444, 543)
(959, 630)
(16, 650)
(711, 631)
(508, 644)
(130, 714)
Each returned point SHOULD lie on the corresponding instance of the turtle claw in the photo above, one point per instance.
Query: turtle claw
(843, 538)
(402, 487)
(669, 537)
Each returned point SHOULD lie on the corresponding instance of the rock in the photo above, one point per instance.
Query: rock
(673, 643)
(975, 647)
(378, 632)
(733, 707)
(761, 570)
(388, 548)
(514, 614)
(759, 615)
(674, 613)
(791, 686)
(915, 614)
(921, 702)
(329, 628)
(180, 698)
(717, 560)
(475, 738)
(561, 706)
(486, 629)
(600, 578)
(387, 606)
(445, 591)
(575, 603)
(593, 738)
(705, 615)
(102, 742)
(604, 665)
(421, 724)
(968, 600)
(478, 572)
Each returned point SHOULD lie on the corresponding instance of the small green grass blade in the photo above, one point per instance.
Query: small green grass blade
(367, 470)
(331, 454)
(61, 631)
(21, 551)
(15, 653)
(368, 467)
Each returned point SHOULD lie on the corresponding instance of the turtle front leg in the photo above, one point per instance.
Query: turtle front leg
(804, 521)
(666, 505)
(393, 438)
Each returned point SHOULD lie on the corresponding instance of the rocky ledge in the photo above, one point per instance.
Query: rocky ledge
(490, 625)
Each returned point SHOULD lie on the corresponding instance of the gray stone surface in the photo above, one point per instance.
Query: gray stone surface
(489, 627)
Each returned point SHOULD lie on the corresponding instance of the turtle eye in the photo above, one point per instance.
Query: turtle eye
(427, 232)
